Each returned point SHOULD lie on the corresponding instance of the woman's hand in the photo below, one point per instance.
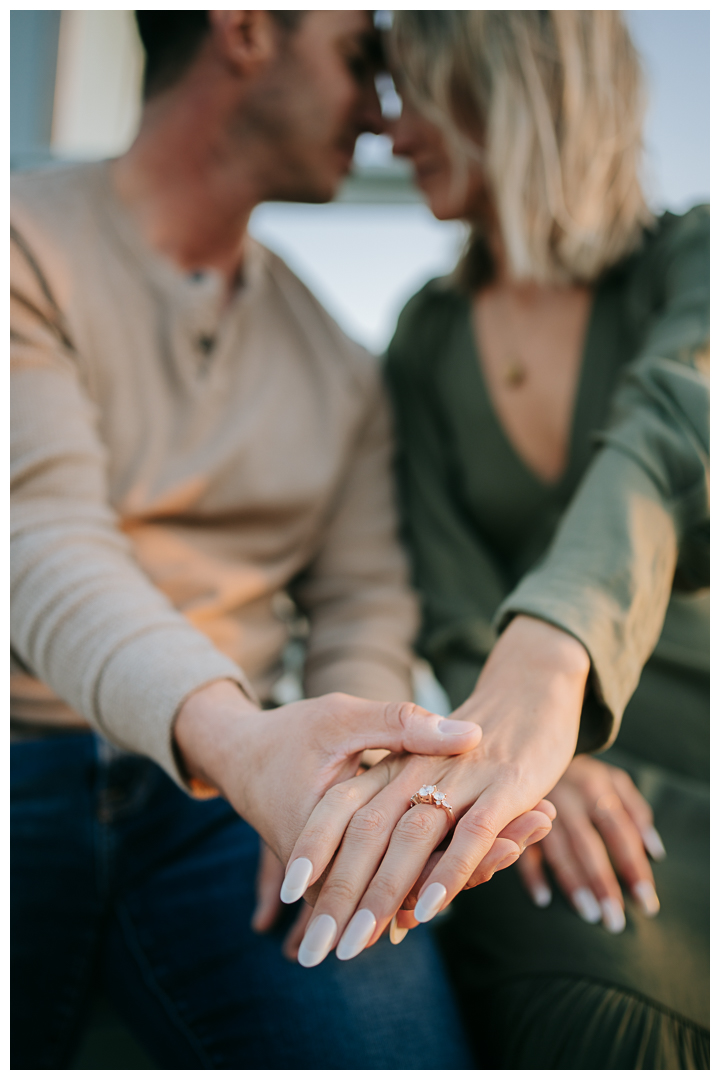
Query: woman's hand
(274, 766)
(602, 821)
(528, 701)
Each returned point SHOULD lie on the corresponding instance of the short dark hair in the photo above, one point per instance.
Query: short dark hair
(171, 40)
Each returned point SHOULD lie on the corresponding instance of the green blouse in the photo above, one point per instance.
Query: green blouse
(616, 552)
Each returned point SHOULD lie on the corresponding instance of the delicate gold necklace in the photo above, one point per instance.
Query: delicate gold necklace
(514, 373)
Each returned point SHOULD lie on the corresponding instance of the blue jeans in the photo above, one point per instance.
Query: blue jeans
(119, 878)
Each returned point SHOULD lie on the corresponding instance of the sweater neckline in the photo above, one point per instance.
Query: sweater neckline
(205, 284)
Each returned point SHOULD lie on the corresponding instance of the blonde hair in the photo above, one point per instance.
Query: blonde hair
(553, 102)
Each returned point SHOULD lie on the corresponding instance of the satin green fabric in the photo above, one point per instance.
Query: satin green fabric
(541, 988)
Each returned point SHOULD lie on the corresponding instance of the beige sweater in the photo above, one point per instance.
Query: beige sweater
(175, 467)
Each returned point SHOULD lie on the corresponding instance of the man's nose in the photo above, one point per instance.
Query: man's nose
(371, 117)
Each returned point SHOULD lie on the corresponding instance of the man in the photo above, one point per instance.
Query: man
(192, 435)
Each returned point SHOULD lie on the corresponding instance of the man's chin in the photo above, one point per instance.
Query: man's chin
(306, 190)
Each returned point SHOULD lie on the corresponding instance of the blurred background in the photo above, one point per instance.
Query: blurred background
(75, 94)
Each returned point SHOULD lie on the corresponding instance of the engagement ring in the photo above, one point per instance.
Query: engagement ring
(430, 794)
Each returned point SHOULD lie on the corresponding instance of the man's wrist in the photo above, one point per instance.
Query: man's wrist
(205, 730)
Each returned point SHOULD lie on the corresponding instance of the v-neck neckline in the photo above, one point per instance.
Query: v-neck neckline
(552, 487)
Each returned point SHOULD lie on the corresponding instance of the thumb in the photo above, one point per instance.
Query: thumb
(406, 727)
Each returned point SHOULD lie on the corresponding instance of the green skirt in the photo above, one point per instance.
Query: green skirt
(540, 989)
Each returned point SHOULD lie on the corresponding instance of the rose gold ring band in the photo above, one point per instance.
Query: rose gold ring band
(430, 794)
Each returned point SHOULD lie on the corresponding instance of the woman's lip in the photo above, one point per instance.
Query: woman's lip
(425, 172)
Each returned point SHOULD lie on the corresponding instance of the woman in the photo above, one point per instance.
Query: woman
(551, 406)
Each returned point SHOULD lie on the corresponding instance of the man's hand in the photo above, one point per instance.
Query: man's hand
(268, 903)
(528, 700)
(601, 817)
(274, 766)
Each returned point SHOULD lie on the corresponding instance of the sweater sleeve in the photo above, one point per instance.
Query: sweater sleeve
(640, 518)
(460, 581)
(85, 619)
(363, 614)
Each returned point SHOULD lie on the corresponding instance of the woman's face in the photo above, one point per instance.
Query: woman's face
(448, 195)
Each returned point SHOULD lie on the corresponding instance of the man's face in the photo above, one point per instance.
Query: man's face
(312, 102)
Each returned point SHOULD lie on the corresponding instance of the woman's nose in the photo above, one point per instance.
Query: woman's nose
(400, 130)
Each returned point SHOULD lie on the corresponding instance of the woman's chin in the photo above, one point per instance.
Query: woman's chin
(441, 208)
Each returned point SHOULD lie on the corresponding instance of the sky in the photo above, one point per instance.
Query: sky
(364, 262)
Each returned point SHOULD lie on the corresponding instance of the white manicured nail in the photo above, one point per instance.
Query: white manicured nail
(613, 916)
(455, 727)
(397, 933)
(318, 941)
(357, 934)
(430, 902)
(646, 897)
(297, 876)
(586, 905)
(653, 843)
(541, 895)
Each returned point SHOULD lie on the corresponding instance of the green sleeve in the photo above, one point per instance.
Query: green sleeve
(640, 518)
(460, 583)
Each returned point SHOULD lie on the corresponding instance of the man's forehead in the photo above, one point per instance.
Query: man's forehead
(342, 23)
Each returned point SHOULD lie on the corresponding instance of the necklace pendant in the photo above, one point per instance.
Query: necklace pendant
(515, 373)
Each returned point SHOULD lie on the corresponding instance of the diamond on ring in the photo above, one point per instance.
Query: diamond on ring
(429, 794)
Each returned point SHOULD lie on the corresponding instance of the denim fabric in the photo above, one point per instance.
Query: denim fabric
(119, 877)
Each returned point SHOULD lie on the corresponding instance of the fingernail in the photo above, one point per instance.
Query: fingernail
(397, 933)
(507, 861)
(539, 834)
(541, 895)
(586, 905)
(613, 916)
(357, 934)
(430, 902)
(318, 941)
(297, 876)
(653, 843)
(455, 727)
(646, 897)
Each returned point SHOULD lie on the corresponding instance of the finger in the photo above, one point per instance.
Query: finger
(625, 846)
(326, 826)
(523, 831)
(412, 842)
(370, 725)
(568, 873)
(341, 915)
(639, 810)
(400, 924)
(583, 865)
(472, 841)
(548, 808)
(502, 854)
(267, 890)
(532, 875)
(408, 904)
(295, 934)
(528, 828)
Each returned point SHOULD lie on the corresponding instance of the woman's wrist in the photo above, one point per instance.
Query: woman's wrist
(529, 654)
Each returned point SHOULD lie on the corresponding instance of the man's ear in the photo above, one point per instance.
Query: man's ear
(245, 39)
